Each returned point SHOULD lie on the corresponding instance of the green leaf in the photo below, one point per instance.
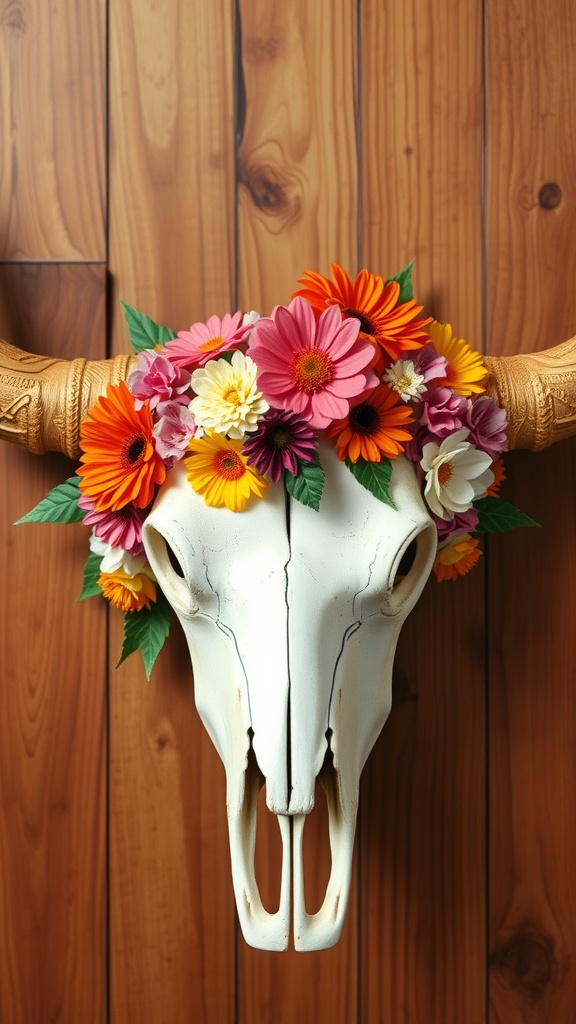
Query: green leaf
(90, 586)
(375, 477)
(404, 279)
(59, 506)
(146, 632)
(497, 515)
(144, 332)
(307, 487)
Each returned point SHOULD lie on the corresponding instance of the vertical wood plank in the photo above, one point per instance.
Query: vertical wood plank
(531, 301)
(52, 697)
(297, 209)
(52, 111)
(172, 256)
(422, 802)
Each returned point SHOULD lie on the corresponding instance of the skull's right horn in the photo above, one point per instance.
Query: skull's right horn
(43, 401)
(538, 392)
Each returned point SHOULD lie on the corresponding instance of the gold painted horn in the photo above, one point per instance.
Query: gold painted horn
(538, 392)
(43, 400)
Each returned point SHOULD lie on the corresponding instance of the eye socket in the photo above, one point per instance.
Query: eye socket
(174, 561)
(406, 562)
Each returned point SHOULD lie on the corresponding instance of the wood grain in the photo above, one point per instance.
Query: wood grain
(297, 209)
(531, 222)
(422, 803)
(172, 256)
(52, 111)
(53, 698)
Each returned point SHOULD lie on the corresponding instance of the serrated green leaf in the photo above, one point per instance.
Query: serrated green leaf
(146, 632)
(59, 506)
(375, 477)
(497, 515)
(404, 279)
(144, 332)
(307, 487)
(90, 586)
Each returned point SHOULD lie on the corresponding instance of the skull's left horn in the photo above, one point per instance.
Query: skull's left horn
(538, 392)
(43, 400)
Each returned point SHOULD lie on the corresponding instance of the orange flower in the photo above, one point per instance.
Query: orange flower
(393, 327)
(375, 426)
(466, 373)
(457, 558)
(121, 464)
(497, 468)
(129, 593)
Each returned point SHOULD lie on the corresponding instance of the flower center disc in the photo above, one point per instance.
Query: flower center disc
(211, 344)
(364, 418)
(134, 450)
(311, 371)
(445, 472)
(229, 465)
(366, 325)
(231, 395)
(279, 439)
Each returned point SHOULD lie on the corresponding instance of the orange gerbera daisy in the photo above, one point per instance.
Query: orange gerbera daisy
(393, 326)
(129, 593)
(120, 462)
(374, 427)
(467, 373)
(457, 558)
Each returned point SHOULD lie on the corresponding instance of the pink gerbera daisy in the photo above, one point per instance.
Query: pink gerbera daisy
(311, 367)
(204, 341)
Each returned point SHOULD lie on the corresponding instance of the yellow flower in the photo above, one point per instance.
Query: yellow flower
(457, 558)
(467, 373)
(219, 472)
(129, 593)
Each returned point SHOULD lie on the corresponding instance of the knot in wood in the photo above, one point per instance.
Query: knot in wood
(271, 191)
(527, 963)
(550, 195)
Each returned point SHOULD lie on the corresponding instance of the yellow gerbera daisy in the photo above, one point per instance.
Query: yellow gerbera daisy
(467, 373)
(457, 558)
(219, 472)
(129, 593)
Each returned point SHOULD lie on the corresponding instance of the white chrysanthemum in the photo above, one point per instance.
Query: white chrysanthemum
(227, 398)
(117, 558)
(403, 377)
(456, 474)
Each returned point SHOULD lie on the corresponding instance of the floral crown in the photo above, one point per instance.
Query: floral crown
(243, 401)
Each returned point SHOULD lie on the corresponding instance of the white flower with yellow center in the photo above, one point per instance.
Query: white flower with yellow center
(403, 377)
(456, 474)
(227, 399)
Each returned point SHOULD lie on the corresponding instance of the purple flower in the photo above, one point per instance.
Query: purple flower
(429, 363)
(172, 431)
(157, 379)
(448, 529)
(282, 439)
(444, 412)
(122, 529)
(487, 423)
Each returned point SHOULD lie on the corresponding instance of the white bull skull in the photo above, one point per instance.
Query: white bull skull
(292, 619)
(292, 616)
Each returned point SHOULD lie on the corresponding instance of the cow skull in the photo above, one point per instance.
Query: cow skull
(291, 617)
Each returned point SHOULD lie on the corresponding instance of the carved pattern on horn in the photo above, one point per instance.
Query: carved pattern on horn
(44, 400)
(538, 392)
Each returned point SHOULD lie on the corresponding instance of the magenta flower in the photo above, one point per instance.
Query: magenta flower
(429, 363)
(121, 529)
(282, 440)
(311, 367)
(444, 412)
(487, 423)
(449, 529)
(172, 431)
(157, 379)
(202, 342)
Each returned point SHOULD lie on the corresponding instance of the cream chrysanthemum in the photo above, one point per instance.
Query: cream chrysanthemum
(403, 377)
(227, 398)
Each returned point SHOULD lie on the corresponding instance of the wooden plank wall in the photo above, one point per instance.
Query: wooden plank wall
(190, 157)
